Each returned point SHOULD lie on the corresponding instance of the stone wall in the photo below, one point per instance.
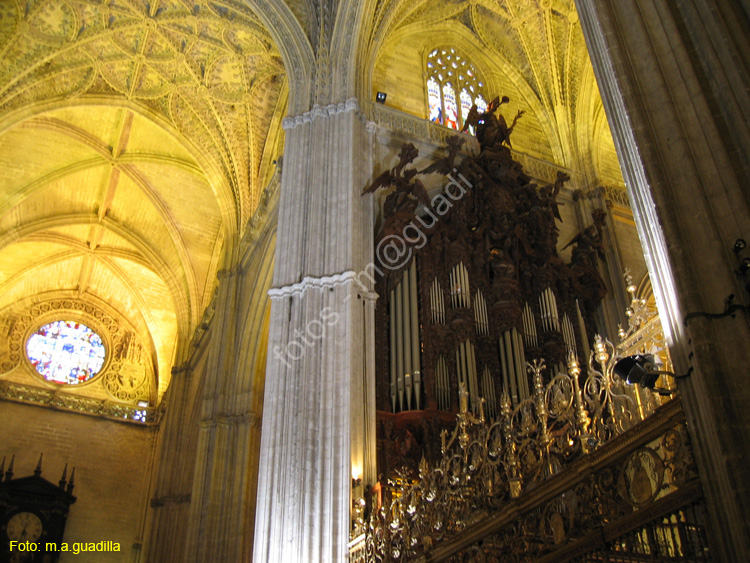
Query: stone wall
(112, 461)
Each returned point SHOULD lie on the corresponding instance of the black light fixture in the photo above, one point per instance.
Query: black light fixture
(739, 246)
(641, 370)
(380, 97)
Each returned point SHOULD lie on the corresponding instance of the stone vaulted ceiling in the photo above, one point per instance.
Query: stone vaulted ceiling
(135, 140)
(533, 51)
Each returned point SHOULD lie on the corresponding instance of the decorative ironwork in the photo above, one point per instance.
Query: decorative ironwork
(644, 335)
(493, 467)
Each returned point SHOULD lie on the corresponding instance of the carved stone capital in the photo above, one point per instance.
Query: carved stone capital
(318, 111)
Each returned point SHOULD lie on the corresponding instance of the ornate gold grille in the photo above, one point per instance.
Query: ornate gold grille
(523, 488)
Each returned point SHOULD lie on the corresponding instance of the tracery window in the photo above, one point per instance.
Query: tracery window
(452, 88)
(66, 352)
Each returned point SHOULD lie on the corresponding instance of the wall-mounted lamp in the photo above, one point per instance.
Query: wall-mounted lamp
(730, 307)
(739, 246)
(641, 370)
(380, 97)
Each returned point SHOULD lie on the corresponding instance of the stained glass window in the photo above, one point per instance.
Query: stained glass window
(433, 95)
(451, 111)
(481, 104)
(466, 106)
(66, 352)
(452, 88)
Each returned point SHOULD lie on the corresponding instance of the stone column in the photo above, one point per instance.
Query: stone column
(674, 82)
(170, 501)
(227, 428)
(314, 374)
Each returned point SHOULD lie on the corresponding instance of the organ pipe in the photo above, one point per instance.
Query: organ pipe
(405, 345)
(459, 370)
(523, 380)
(520, 368)
(488, 392)
(394, 368)
(466, 370)
(462, 363)
(436, 302)
(569, 334)
(443, 385)
(459, 280)
(441, 304)
(513, 365)
(406, 335)
(465, 292)
(399, 347)
(480, 313)
(504, 368)
(472, 368)
(548, 307)
(510, 358)
(529, 327)
(454, 287)
(415, 348)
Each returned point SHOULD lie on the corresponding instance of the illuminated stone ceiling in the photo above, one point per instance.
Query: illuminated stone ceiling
(531, 50)
(135, 140)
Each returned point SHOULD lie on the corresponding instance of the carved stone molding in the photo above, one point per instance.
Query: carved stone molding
(127, 374)
(618, 196)
(321, 112)
(61, 400)
(310, 282)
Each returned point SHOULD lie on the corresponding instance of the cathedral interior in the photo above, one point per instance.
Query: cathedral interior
(329, 280)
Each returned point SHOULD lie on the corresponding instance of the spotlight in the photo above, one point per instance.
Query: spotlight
(739, 246)
(638, 370)
(380, 97)
(744, 266)
(641, 370)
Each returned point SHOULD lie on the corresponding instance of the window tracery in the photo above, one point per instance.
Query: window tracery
(452, 88)
(66, 352)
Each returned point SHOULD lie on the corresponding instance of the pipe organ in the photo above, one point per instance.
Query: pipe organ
(460, 295)
(442, 385)
(513, 365)
(529, 327)
(480, 314)
(405, 374)
(486, 293)
(437, 303)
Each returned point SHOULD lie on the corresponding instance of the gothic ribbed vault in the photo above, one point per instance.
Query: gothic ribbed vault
(135, 140)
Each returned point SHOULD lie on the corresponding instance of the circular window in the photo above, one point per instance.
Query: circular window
(66, 352)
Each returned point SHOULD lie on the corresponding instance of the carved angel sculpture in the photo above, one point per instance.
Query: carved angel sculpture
(404, 180)
(491, 129)
(446, 165)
